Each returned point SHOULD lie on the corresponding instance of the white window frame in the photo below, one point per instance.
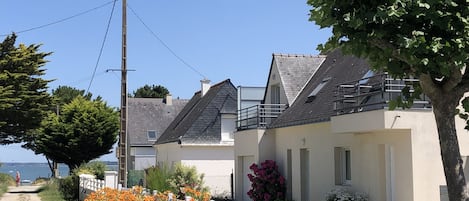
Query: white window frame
(148, 135)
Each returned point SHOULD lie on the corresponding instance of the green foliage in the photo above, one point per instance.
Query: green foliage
(69, 187)
(23, 93)
(157, 177)
(50, 192)
(135, 177)
(84, 131)
(186, 176)
(95, 168)
(65, 94)
(403, 38)
(428, 40)
(5, 181)
(153, 91)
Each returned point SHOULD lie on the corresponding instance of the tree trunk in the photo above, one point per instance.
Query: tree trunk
(443, 108)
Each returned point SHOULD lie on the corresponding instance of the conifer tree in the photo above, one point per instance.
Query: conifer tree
(23, 93)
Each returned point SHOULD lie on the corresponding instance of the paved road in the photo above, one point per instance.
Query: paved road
(22, 193)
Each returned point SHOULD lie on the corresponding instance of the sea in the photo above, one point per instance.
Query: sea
(32, 171)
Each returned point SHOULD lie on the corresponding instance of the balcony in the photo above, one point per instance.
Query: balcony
(373, 93)
(258, 116)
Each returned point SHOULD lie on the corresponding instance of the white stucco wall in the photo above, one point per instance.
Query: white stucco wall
(367, 160)
(251, 146)
(395, 154)
(143, 157)
(216, 162)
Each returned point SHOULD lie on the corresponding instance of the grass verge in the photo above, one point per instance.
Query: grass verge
(50, 192)
(5, 181)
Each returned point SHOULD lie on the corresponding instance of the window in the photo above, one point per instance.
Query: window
(151, 135)
(228, 127)
(366, 77)
(318, 88)
(275, 94)
(343, 165)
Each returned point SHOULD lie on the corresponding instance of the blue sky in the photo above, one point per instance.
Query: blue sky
(219, 39)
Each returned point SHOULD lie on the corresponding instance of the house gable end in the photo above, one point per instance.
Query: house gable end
(199, 120)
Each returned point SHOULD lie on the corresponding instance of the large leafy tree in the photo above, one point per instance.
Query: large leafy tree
(23, 93)
(153, 91)
(62, 95)
(65, 94)
(84, 130)
(424, 39)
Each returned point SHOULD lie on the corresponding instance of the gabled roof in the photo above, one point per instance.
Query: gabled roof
(146, 114)
(294, 70)
(200, 120)
(336, 69)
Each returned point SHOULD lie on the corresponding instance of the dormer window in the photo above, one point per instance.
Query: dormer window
(151, 135)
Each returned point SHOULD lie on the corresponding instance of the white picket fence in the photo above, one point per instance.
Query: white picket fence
(89, 183)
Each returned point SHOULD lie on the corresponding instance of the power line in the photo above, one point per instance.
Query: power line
(61, 20)
(102, 46)
(163, 43)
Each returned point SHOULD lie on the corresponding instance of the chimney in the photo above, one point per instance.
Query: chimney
(169, 99)
(205, 86)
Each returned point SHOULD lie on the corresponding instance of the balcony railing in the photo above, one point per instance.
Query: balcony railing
(258, 116)
(373, 93)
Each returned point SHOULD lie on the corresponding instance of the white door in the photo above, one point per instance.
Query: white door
(247, 162)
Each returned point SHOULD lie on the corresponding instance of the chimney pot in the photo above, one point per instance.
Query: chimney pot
(205, 83)
(169, 99)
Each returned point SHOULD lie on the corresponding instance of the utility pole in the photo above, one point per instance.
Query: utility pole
(123, 118)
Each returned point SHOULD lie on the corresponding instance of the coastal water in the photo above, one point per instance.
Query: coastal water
(32, 171)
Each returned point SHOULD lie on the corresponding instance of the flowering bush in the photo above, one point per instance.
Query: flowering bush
(341, 194)
(163, 196)
(267, 183)
(137, 194)
(109, 194)
(196, 195)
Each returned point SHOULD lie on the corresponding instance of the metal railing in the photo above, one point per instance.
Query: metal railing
(374, 93)
(258, 116)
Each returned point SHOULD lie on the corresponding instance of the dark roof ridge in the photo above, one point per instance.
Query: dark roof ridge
(215, 85)
(299, 55)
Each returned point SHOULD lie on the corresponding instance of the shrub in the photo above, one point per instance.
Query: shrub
(95, 168)
(186, 176)
(267, 183)
(135, 177)
(342, 194)
(68, 186)
(157, 177)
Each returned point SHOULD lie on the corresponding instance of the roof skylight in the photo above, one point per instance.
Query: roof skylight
(318, 88)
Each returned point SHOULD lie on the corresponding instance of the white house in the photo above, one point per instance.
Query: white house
(147, 119)
(288, 75)
(340, 133)
(202, 136)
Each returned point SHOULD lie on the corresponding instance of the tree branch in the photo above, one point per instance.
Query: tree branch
(428, 86)
(452, 81)
(384, 45)
(463, 85)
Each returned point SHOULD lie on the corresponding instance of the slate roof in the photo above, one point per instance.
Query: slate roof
(295, 70)
(200, 120)
(150, 114)
(340, 69)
